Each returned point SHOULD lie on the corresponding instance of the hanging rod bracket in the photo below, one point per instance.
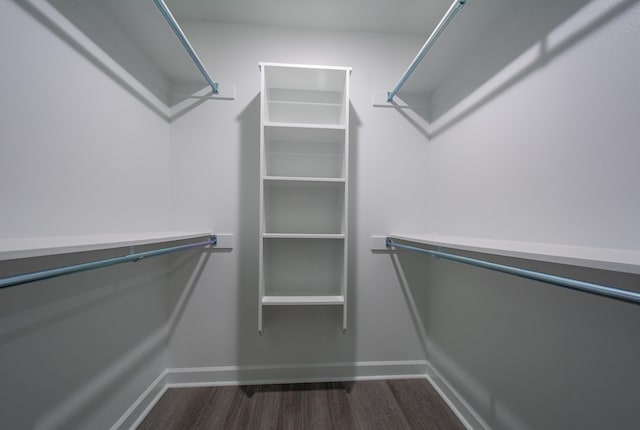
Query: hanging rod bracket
(389, 96)
(132, 257)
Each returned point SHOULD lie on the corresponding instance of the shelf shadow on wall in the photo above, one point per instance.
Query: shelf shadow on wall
(185, 97)
(414, 108)
(185, 271)
(524, 42)
(505, 343)
(116, 54)
(411, 273)
(29, 308)
(353, 222)
(110, 320)
(248, 231)
(66, 33)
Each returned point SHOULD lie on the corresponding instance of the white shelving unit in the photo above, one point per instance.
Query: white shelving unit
(304, 159)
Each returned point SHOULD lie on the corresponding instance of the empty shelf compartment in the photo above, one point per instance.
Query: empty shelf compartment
(303, 268)
(304, 152)
(304, 207)
(305, 95)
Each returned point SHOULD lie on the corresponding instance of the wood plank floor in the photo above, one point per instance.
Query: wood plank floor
(392, 404)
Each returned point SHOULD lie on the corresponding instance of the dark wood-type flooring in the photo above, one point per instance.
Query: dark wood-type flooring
(394, 404)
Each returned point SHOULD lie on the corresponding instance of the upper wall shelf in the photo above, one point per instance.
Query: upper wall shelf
(40, 246)
(168, 16)
(132, 41)
(446, 19)
(618, 260)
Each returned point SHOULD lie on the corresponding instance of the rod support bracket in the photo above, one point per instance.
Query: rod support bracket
(213, 239)
(389, 242)
(132, 251)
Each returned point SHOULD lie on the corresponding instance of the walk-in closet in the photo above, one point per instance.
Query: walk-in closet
(389, 214)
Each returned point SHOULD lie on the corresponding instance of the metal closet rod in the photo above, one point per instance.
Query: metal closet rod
(588, 287)
(446, 19)
(13, 281)
(185, 42)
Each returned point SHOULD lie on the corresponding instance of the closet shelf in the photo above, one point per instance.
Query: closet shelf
(302, 300)
(303, 236)
(305, 125)
(618, 260)
(302, 179)
(40, 246)
(293, 102)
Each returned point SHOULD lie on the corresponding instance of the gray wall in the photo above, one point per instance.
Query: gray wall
(540, 146)
(530, 140)
(215, 161)
(78, 155)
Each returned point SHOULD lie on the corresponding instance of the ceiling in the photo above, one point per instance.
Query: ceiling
(381, 16)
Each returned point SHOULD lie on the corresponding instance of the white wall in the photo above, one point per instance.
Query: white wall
(215, 153)
(79, 154)
(544, 150)
(540, 150)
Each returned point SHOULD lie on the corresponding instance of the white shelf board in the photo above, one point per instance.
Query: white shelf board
(304, 125)
(291, 102)
(39, 246)
(302, 300)
(302, 179)
(303, 66)
(302, 236)
(619, 260)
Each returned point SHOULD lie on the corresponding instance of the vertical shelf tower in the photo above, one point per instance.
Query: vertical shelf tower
(304, 176)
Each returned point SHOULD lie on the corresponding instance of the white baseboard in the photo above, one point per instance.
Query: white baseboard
(287, 374)
(141, 407)
(465, 413)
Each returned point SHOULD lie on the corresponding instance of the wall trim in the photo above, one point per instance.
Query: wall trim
(297, 373)
(143, 404)
(463, 410)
